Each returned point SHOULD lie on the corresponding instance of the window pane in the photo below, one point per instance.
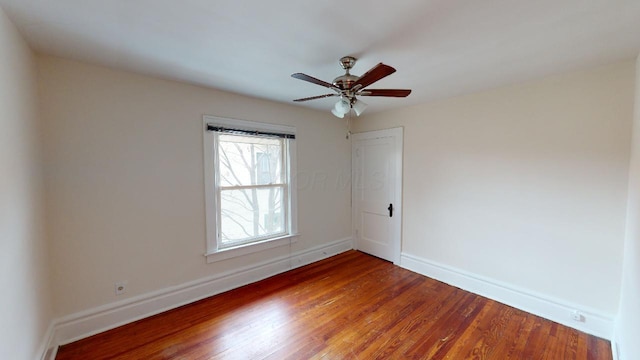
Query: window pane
(248, 214)
(249, 160)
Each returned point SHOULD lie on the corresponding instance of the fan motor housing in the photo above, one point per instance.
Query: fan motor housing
(345, 81)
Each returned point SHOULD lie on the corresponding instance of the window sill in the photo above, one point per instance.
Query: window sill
(246, 249)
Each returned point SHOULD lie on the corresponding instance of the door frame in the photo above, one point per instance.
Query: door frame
(397, 134)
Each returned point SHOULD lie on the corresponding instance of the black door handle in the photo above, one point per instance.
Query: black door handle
(390, 208)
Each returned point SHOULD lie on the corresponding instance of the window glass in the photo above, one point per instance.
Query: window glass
(250, 214)
(251, 189)
(249, 160)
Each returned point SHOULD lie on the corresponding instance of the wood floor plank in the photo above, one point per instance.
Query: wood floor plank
(402, 335)
(487, 330)
(363, 308)
(351, 306)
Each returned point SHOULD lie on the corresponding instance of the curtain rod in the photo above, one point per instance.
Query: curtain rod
(221, 129)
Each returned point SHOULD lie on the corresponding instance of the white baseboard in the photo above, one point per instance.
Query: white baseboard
(615, 345)
(594, 322)
(614, 350)
(93, 321)
(47, 349)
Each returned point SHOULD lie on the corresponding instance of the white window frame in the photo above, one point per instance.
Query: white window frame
(212, 216)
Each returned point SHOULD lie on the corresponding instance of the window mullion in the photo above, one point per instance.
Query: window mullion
(244, 187)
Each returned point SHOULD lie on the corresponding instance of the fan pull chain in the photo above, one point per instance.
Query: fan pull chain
(349, 126)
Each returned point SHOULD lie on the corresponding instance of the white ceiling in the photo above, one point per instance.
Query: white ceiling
(440, 48)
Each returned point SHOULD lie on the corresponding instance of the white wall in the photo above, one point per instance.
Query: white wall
(125, 183)
(525, 185)
(628, 321)
(25, 311)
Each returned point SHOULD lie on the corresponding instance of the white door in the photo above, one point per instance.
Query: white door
(377, 192)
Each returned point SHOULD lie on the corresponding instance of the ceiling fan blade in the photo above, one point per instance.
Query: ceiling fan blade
(312, 80)
(385, 92)
(376, 73)
(315, 97)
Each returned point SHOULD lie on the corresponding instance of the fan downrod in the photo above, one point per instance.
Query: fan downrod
(345, 81)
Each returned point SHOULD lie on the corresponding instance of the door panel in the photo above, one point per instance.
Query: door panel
(376, 160)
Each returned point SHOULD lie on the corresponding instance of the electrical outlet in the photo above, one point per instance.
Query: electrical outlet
(120, 287)
(577, 316)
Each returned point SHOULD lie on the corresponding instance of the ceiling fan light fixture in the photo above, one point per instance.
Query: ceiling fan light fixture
(337, 113)
(343, 106)
(359, 106)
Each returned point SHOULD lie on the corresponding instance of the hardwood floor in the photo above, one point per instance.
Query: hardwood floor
(351, 306)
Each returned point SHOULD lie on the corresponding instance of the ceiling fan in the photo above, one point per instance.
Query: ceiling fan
(348, 86)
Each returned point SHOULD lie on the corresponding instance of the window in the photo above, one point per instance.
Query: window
(250, 205)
